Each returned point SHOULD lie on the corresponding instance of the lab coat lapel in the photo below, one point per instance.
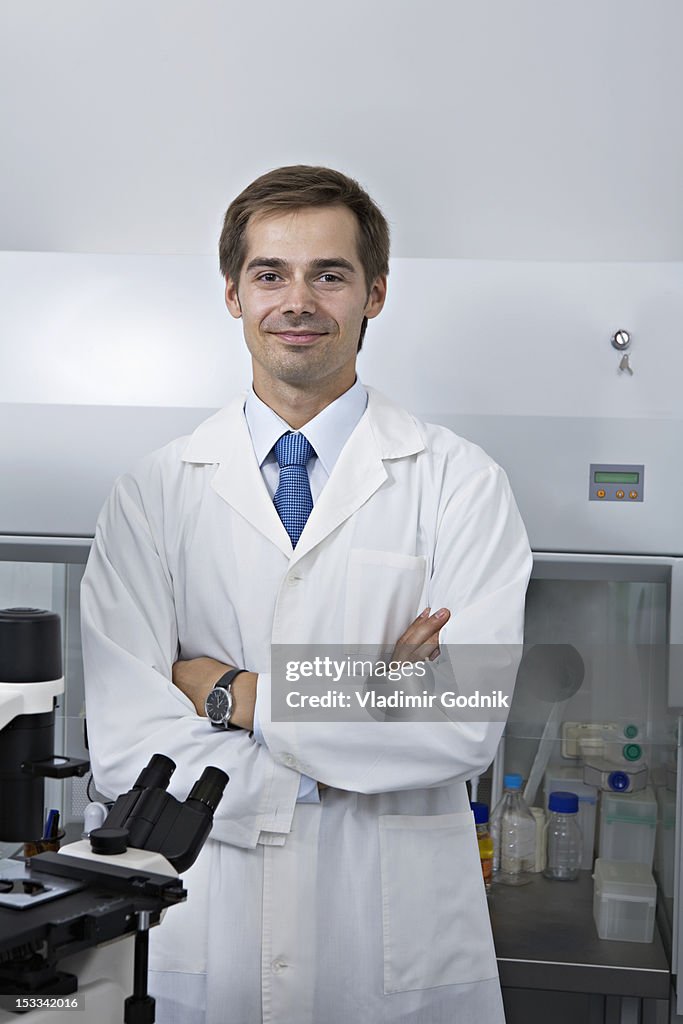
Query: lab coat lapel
(358, 472)
(225, 439)
(385, 431)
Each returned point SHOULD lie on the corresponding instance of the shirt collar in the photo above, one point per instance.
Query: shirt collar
(328, 432)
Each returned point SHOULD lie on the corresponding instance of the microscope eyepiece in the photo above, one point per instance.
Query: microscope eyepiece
(209, 787)
(157, 774)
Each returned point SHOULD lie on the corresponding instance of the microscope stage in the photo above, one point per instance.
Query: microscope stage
(20, 889)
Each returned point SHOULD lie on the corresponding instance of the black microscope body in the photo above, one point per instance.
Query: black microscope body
(56, 905)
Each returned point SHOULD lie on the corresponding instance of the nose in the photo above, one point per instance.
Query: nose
(298, 298)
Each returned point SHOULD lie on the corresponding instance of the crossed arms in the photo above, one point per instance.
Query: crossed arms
(197, 676)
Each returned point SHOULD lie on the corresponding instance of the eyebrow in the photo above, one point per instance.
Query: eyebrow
(272, 263)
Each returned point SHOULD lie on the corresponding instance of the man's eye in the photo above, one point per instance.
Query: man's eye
(268, 277)
(330, 278)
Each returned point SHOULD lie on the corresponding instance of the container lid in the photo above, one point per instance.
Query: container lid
(513, 781)
(480, 812)
(563, 803)
(624, 878)
(618, 781)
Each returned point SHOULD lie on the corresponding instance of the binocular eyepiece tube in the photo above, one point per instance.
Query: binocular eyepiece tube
(149, 818)
(156, 774)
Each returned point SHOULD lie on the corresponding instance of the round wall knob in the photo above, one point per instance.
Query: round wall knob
(621, 340)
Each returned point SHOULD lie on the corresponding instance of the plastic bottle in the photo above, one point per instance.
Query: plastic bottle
(563, 837)
(513, 830)
(481, 820)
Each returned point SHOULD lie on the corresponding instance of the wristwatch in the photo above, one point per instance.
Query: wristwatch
(220, 702)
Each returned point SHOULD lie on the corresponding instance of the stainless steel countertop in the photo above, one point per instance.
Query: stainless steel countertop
(546, 938)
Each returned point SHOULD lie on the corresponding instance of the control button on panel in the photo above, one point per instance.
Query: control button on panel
(616, 481)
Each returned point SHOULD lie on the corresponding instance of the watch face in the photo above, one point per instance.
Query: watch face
(218, 705)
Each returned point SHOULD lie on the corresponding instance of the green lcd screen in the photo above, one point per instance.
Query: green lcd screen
(617, 478)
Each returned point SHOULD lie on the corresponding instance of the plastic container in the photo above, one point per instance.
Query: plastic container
(616, 776)
(628, 826)
(665, 845)
(513, 830)
(484, 841)
(563, 837)
(34, 847)
(539, 817)
(570, 780)
(624, 901)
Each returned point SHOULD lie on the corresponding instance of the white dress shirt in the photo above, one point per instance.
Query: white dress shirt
(327, 432)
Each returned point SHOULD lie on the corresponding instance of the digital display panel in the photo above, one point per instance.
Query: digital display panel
(617, 478)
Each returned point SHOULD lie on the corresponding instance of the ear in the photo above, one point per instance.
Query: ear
(376, 298)
(232, 300)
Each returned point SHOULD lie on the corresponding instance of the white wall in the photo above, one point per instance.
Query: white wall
(528, 155)
(488, 129)
(466, 337)
(108, 357)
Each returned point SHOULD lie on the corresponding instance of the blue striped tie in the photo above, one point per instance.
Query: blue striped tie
(292, 498)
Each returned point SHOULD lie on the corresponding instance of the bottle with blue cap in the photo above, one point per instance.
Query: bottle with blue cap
(564, 837)
(513, 830)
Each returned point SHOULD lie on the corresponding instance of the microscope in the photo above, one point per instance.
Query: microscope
(74, 924)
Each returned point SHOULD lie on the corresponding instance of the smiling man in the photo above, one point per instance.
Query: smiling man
(342, 879)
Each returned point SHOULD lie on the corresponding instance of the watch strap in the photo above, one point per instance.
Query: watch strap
(226, 681)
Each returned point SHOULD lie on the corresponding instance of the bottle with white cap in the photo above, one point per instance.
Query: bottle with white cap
(513, 830)
(563, 837)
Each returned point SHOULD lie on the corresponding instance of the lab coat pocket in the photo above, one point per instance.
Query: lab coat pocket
(383, 590)
(435, 919)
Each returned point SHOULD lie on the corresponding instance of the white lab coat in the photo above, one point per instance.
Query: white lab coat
(368, 906)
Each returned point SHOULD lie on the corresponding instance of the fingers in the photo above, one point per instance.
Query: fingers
(424, 627)
(421, 639)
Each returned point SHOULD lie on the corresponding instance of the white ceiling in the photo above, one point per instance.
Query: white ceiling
(496, 130)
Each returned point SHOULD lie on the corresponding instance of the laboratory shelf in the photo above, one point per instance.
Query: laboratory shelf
(546, 938)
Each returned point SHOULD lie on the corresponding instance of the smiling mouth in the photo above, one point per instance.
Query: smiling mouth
(298, 337)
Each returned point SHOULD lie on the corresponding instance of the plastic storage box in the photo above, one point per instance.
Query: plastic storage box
(624, 901)
(628, 825)
(665, 846)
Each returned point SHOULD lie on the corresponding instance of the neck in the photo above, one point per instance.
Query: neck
(298, 405)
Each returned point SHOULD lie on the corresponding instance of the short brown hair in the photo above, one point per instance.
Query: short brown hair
(290, 188)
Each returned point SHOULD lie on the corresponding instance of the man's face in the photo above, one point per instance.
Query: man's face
(302, 295)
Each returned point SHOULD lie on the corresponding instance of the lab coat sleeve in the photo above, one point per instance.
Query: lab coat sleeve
(308, 787)
(130, 641)
(481, 567)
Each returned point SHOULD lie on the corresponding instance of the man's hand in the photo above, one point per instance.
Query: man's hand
(420, 642)
(198, 676)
